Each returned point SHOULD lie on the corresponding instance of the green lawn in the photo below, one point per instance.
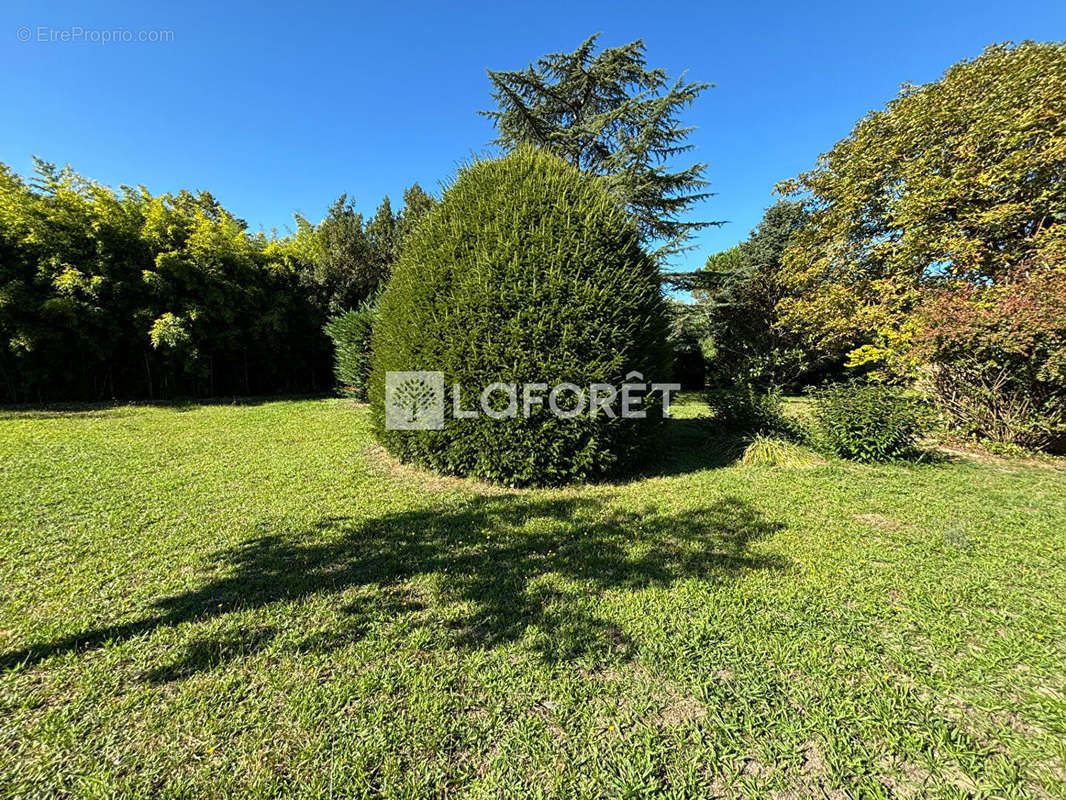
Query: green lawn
(214, 600)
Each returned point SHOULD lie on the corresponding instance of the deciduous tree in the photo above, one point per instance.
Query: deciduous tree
(958, 180)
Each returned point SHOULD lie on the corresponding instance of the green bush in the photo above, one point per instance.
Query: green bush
(867, 422)
(526, 272)
(351, 333)
(749, 411)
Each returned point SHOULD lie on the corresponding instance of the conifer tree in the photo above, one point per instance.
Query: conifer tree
(609, 115)
(382, 236)
(416, 204)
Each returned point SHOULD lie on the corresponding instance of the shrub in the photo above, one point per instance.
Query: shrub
(351, 333)
(749, 411)
(996, 358)
(766, 451)
(867, 422)
(526, 272)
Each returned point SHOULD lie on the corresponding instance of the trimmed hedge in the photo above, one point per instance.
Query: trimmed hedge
(526, 272)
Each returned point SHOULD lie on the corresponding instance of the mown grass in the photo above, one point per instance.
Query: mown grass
(207, 600)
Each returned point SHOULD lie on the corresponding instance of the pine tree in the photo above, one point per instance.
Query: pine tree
(610, 116)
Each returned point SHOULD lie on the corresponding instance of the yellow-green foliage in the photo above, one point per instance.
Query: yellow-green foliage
(959, 178)
(108, 295)
(767, 451)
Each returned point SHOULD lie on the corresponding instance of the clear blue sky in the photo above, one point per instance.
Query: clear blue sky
(278, 108)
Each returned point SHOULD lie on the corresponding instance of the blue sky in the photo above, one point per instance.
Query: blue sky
(278, 108)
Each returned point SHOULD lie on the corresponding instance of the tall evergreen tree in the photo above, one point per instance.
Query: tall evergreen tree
(382, 235)
(343, 266)
(417, 202)
(611, 116)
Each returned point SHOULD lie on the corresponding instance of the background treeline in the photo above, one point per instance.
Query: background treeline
(926, 250)
(120, 295)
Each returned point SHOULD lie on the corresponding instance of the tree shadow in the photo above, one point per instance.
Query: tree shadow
(689, 445)
(120, 408)
(504, 568)
(931, 453)
(65, 411)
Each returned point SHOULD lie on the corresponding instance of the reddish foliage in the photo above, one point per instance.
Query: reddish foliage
(997, 356)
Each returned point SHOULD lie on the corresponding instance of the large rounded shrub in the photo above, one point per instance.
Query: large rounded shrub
(526, 272)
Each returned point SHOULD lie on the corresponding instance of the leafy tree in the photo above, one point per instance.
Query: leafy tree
(957, 180)
(742, 288)
(609, 115)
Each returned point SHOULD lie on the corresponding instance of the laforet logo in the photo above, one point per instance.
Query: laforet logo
(414, 401)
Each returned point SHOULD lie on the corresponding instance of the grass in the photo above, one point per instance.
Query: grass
(207, 600)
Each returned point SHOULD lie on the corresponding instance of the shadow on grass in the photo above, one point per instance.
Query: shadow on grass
(505, 568)
(929, 453)
(690, 445)
(697, 443)
(118, 408)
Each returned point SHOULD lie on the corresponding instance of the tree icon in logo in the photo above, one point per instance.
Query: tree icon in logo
(414, 396)
(414, 401)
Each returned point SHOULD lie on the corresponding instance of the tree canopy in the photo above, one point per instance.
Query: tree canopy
(960, 180)
(126, 294)
(742, 288)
